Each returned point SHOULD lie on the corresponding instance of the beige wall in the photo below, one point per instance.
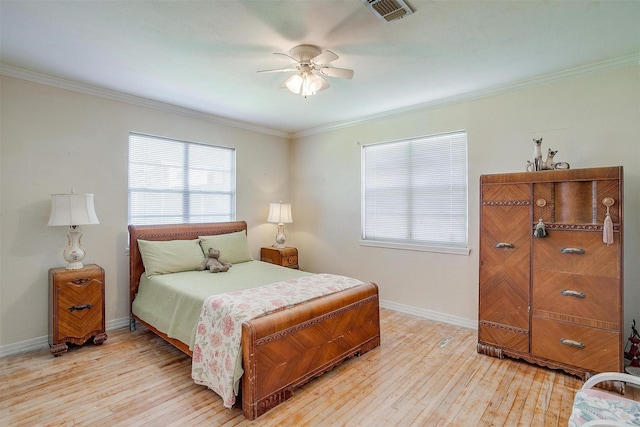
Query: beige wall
(55, 139)
(592, 121)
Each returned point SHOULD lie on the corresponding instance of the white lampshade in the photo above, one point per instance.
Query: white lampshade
(72, 209)
(280, 213)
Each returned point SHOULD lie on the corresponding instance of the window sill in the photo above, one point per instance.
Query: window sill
(419, 248)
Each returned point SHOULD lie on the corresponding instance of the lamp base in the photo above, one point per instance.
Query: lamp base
(74, 252)
(74, 266)
(280, 237)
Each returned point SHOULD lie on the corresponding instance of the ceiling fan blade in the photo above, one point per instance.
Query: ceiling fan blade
(278, 70)
(285, 54)
(325, 57)
(341, 73)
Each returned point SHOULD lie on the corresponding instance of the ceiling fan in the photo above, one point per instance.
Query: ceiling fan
(310, 67)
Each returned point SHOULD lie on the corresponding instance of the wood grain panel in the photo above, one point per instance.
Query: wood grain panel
(78, 322)
(279, 355)
(504, 259)
(577, 295)
(608, 188)
(503, 337)
(600, 351)
(598, 260)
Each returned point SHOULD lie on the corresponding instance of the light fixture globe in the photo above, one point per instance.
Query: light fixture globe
(294, 83)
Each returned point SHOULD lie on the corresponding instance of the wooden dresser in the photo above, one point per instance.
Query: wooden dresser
(557, 300)
(77, 305)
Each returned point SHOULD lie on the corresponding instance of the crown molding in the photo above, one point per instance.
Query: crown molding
(599, 67)
(113, 95)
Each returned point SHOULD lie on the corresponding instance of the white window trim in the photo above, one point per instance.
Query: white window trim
(418, 248)
(453, 250)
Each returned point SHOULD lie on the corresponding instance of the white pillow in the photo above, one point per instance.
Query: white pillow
(170, 256)
(233, 247)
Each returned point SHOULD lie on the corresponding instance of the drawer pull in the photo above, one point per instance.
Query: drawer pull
(572, 343)
(572, 251)
(570, 293)
(79, 307)
(502, 245)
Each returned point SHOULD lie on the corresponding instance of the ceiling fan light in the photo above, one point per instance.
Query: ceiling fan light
(314, 83)
(294, 83)
(310, 84)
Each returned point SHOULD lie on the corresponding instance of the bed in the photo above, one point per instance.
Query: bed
(280, 351)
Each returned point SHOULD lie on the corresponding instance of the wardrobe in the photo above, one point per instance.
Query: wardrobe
(551, 268)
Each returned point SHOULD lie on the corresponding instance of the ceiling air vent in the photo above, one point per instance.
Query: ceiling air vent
(388, 10)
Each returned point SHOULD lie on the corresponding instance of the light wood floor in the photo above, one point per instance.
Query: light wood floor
(425, 374)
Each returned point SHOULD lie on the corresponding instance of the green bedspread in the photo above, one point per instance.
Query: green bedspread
(172, 302)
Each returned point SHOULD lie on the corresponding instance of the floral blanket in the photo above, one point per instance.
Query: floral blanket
(216, 352)
(592, 405)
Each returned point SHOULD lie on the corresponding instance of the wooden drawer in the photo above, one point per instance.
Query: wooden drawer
(591, 349)
(290, 261)
(77, 307)
(580, 252)
(286, 257)
(578, 295)
(79, 310)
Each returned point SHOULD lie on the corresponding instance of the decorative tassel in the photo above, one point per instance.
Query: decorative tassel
(541, 229)
(607, 230)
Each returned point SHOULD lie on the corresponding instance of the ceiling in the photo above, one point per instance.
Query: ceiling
(203, 55)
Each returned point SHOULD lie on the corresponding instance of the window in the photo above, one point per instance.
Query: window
(173, 182)
(414, 193)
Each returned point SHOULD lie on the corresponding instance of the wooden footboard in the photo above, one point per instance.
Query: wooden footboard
(286, 349)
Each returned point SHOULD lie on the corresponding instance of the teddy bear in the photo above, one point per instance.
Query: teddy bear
(213, 264)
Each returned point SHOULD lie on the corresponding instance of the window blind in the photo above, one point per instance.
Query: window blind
(415, 191)
(173, 182)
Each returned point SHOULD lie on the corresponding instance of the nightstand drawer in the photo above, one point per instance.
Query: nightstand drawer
(286, 257)
(77, 307)
(290, 261)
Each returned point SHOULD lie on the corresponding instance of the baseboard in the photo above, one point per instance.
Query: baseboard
(430, 314)
(43, 342)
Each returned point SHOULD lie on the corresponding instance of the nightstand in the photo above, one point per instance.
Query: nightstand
(286, 257)
(77, 307)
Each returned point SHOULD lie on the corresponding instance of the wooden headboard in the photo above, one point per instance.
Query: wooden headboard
(169, 232)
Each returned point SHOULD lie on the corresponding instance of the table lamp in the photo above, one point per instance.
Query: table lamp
(73, 210)
(280, 213)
